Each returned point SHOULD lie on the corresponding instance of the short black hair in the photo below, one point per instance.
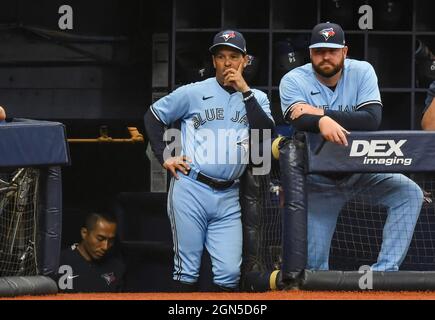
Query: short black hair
(92, 218)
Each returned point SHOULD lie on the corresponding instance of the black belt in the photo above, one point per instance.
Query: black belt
(215, 184)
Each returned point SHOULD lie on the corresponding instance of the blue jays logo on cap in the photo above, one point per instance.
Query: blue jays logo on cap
(327, 33)
(228, 35)
(230, 38)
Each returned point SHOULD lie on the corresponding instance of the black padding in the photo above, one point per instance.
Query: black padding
(265, 281)
(354, 281)
(251, 203)
(294, 214)
(49, 220)
(31, 285)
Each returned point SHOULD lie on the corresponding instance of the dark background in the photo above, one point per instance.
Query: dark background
(97, 74)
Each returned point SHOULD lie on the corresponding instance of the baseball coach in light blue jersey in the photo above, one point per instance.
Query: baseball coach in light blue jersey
(330, 96)
(217, 116)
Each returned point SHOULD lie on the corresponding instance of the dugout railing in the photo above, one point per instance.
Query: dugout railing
(275, 215)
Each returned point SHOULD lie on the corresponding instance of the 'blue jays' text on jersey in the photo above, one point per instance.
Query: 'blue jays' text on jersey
(358, 86)
(214, 126)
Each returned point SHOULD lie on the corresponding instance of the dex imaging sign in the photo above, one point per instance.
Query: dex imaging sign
(380, 152)
(372, 151)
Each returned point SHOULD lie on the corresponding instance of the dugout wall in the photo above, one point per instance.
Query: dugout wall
(277, 33)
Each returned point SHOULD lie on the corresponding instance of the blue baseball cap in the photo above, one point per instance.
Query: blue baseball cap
(327, 35)
(229, 38)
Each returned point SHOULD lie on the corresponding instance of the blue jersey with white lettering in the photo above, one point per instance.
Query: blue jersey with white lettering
(214, 126)
(357, 87)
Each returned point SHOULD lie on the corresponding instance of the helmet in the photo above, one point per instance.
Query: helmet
(425, 65)
(341, 12)
(287, 56)
(191, 66)
(251, 69)
(388, 14)
(425, 72)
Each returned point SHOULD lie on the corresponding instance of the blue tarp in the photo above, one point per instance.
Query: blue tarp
(25, 143)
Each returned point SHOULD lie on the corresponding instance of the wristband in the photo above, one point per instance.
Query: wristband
(251, 95)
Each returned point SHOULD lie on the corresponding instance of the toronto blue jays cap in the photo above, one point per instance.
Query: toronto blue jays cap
(229, 38)
(327, 35)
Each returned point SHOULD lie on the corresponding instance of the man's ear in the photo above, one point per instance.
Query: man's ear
(214, 63)
(345, 49)
(83, 232)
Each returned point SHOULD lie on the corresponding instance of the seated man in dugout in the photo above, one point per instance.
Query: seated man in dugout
(92, 265)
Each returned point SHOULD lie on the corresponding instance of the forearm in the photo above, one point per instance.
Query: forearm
(257, 118)
(155, 131)
(367, 118)
(306, 122)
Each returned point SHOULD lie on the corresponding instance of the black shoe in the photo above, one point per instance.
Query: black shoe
(218, 288)
(179, 286)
